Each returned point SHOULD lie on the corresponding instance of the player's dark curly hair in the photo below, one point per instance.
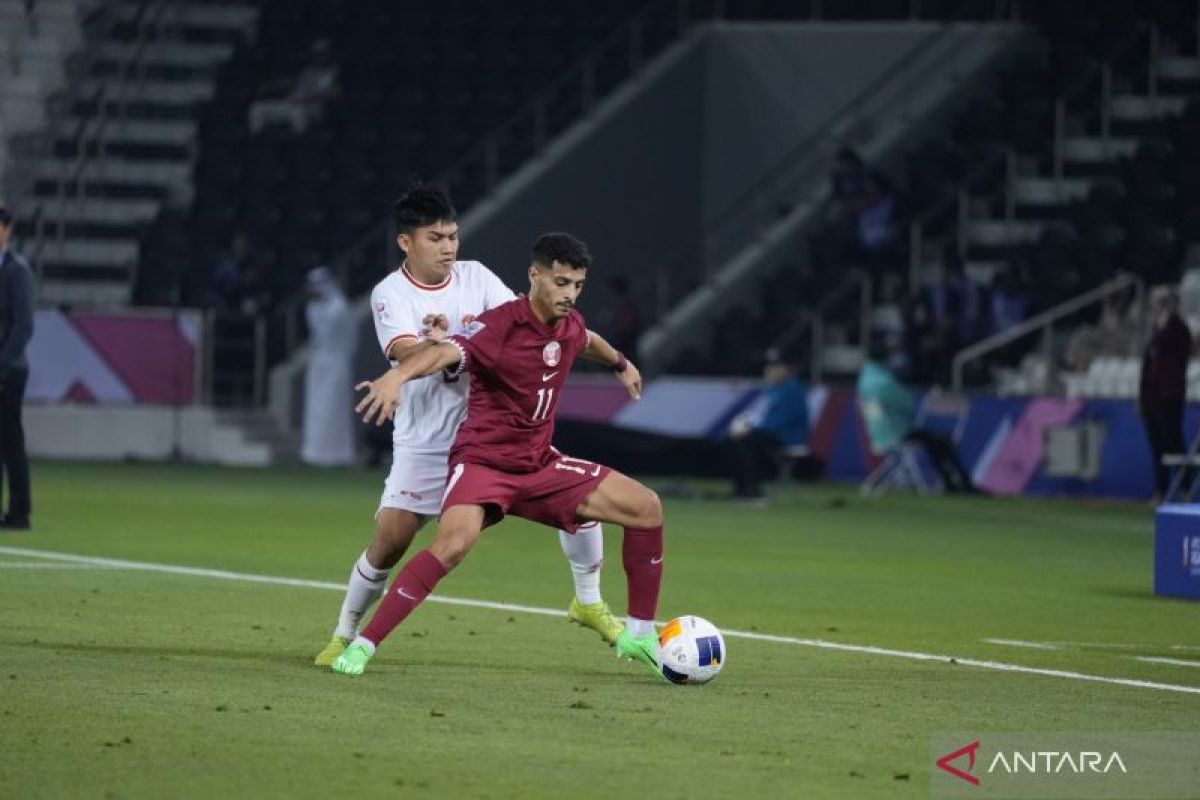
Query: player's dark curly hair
(422, 205)
(563, 248)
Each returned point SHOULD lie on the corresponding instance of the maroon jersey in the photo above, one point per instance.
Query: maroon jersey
(518, 365)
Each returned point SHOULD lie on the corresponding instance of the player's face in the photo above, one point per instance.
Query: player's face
(555, 291)
(430, 251)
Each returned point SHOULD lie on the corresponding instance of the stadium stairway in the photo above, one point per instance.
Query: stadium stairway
(123, 142)
(910, 107)
(1090, 163)
(34, 46)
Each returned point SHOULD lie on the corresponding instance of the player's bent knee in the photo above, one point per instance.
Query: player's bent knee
(650, 509)
(451, 547)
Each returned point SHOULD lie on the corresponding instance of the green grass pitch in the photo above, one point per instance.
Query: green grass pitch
(118, 682)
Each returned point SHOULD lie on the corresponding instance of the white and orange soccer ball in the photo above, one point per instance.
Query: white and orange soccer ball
(691, 650)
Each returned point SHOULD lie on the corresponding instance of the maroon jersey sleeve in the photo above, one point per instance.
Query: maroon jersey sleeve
(482, 341)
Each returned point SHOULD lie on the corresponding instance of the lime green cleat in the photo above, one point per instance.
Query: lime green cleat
(597, 617)
(353, 660)
(332, 650)
(639, 648)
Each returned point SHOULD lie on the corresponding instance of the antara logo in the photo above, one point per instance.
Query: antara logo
(1033, 762)
(1054, 762)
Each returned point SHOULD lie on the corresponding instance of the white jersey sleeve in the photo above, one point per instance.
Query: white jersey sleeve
(495, 292)
(394, 315)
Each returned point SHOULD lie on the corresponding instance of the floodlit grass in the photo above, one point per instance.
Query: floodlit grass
(126, 683)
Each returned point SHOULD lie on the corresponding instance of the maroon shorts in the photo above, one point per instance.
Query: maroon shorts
(549, 496)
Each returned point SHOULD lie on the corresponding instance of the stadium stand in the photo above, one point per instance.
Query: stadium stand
(146, 167)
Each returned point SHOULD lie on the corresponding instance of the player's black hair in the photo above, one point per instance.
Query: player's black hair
(563, 248)
(422, 205)
(5, 217)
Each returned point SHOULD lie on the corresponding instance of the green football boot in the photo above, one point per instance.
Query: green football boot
(597, 617)
(639, 648)
(332, 650)
(353, 660)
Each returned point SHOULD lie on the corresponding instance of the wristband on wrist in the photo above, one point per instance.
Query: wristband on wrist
(621, 364)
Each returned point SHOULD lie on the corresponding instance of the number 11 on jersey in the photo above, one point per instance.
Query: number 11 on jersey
(544, 404)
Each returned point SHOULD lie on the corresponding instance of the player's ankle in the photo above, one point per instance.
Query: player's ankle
(640, 627)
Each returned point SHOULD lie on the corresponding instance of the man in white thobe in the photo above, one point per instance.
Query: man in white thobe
(328, 392)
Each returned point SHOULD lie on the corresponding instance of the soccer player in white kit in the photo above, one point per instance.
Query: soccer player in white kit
(430, 296)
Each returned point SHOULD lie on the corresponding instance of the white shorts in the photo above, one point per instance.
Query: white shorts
(416, 483)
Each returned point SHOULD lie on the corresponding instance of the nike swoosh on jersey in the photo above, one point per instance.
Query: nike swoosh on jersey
(547, 376)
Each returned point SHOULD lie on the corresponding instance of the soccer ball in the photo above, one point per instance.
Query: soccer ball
(691, 650)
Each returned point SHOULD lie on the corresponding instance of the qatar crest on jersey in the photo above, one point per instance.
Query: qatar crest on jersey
(552, 354)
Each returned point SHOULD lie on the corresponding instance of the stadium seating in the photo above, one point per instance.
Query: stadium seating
(418, 88)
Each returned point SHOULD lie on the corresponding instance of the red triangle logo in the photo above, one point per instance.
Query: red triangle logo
(969, 750)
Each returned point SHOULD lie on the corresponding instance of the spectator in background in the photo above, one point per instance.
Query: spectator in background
(848, 185)
(1189, 287)
(300, 101)
(876, 216)
(16, 329)
(328, 397)
(1113, 334)
(852, 186)
(920, 344)
(1007, 305)
(758, 437)
(890, 411)
(1163, 386)
(239, 281)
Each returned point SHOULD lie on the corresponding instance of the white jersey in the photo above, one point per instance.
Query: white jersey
(431, 408)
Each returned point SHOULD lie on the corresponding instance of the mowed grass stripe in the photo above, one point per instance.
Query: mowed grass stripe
(818, 643)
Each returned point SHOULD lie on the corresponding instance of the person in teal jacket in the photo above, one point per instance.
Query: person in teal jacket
(756, 440)
(890, 412)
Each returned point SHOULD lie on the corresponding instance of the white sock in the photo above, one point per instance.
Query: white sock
(640, 627)
(365, 586)
(367, 643)
(585, 550)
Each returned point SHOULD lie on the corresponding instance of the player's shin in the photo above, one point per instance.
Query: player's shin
(411, 586)
(642, 554)
(584, 549)
(365, 586)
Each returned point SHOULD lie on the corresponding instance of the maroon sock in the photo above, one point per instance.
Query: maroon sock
(411, 586)
(642, 552)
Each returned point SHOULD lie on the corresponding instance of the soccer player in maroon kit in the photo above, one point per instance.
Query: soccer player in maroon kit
(518, 356)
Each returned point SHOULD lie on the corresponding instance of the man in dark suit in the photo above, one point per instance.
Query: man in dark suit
(16, 328)
(1163, 386)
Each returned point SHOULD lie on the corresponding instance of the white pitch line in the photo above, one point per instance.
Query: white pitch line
(48, 565)
(1125, 646)
(554, 612)
(1020, 643)
(1160, 660)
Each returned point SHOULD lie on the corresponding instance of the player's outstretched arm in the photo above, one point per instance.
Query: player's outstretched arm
(601, 352)
(383, 393)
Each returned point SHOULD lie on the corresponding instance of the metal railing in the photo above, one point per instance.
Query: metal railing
(813, 321)
(89, 141)
(234, 372)
(1099, 80)
(1043, 323)
(522, 136)
(481, 168)
(526, 134)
